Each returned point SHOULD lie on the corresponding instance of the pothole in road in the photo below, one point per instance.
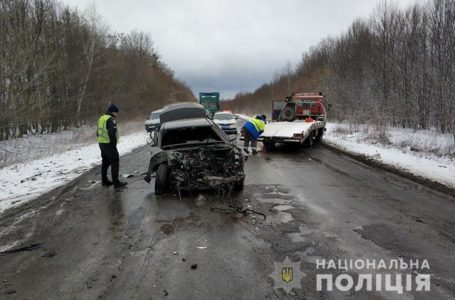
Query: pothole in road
(273, 200)
(167, 229)
(282, 207)
(279, 218)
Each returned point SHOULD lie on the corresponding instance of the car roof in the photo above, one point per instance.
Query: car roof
(182, 110)
(198, 122)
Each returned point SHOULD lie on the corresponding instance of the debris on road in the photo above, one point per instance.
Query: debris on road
(240, 210)
(194, 266)
(10, 292)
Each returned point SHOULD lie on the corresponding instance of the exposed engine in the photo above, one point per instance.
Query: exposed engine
(216, 166)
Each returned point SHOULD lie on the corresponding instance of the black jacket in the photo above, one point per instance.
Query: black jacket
(111, 126)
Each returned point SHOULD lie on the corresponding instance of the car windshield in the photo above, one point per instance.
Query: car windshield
(189, 135)
(226, 116)
(154, 115)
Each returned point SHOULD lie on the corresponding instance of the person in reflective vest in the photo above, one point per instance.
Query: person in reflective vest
(108, 138)
(251, 131)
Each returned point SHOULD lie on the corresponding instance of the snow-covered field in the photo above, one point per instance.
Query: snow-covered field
(23, 182)
(32, 147)
(423, 153)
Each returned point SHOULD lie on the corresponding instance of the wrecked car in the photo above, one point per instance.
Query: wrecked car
(193, 153)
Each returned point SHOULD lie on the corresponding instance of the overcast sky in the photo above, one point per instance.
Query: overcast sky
(231, 46)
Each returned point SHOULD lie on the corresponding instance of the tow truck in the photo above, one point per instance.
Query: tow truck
(299, 119)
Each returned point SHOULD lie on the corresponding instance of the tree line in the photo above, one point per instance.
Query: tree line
(395, 68)
(60, 69)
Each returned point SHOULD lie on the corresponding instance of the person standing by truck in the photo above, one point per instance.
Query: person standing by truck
(251, 131)
(107, 136)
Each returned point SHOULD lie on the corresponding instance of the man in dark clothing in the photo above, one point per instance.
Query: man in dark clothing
(107, 134)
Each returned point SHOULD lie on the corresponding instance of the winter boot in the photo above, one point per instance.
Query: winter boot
(106, 183)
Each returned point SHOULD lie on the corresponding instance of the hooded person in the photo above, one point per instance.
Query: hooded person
(108, 137)
(251, 131)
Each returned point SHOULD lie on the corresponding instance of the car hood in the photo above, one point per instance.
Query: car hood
(196, 147)
(230, 122)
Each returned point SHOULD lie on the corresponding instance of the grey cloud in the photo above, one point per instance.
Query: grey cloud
(233, 45)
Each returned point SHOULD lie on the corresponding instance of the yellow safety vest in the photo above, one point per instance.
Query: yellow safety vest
(103, 134)
(259, 124)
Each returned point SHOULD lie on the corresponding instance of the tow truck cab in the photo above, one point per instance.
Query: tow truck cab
(299, 106)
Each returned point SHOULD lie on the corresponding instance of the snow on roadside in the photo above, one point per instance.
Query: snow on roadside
(26, 181)
(424, 164)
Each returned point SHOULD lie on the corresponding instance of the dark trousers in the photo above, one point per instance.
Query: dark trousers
(109, 157)
(248, 138)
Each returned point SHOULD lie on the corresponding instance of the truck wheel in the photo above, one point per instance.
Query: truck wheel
(310, 139)
(320, 135)
(161, 179)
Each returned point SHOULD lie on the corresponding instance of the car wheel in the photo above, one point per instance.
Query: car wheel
(161, 179)
(239, 185)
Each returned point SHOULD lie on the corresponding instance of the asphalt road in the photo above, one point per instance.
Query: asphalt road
(84, 241)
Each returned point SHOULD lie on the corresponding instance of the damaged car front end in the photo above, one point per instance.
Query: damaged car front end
(194, 154)
(206, 167)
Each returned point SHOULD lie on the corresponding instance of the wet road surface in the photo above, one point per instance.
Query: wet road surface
(84, 241)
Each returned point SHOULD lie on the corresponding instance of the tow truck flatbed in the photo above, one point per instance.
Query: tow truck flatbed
(297, 131)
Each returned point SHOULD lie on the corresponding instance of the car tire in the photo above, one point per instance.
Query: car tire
(161, 179)
(310, 140)
(239, 185)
